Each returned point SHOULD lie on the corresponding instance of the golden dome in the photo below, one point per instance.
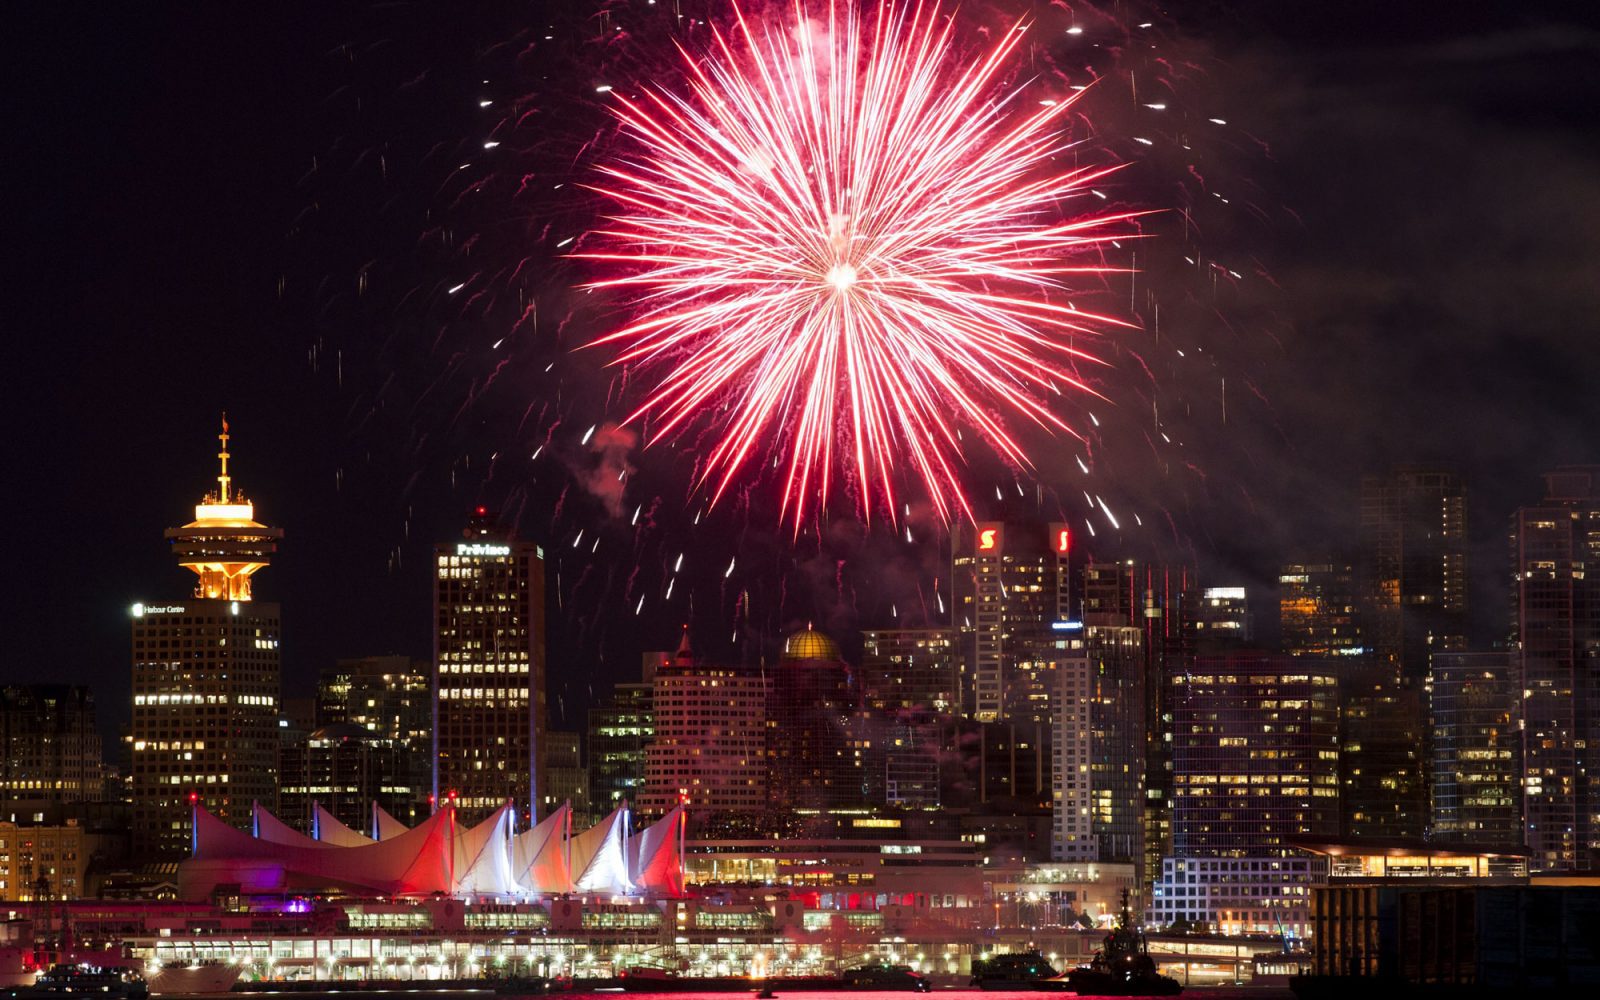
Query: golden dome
(810, 645)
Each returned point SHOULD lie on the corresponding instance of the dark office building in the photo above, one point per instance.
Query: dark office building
(816, 754)
(1556, 602)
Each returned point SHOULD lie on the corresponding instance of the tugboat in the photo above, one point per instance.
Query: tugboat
(1123, 966)
(1026, 970)
(63, 981)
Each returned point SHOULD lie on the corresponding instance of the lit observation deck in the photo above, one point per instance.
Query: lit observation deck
(224, 545)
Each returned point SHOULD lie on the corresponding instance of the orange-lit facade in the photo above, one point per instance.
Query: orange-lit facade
(1317, 610)
(223, 545)
(206, 679)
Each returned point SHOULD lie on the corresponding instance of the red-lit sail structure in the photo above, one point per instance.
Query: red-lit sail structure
(438, 856)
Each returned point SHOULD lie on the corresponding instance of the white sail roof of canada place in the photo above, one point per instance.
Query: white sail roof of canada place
(438, 856)
(333, 832)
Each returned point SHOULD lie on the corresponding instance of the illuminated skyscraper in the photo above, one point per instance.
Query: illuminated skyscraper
(391, 697)
(489, 685)
(710, 746)
(345, 767)
(1255, 754)
(1097, 744)
(1556, 576)
(1008, 581)
(1475, 708)
(1255, 764)
(909, 685)
(205, 679)
(620, 731)
(1318, 613)
(1222, 619)
(909, 668)
(1163, 603)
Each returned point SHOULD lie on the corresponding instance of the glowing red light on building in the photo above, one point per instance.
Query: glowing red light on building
(987, 539)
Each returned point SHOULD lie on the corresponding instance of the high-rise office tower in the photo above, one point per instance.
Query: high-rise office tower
(1384, 757)
(489, 655)
(565, 777)
(205, 679)
(391, 698)
(1556, 601)
(1255, 764)
(1071, 747)
(1008, 581)
(909, 689)
(1255, 754)
(1414, 567)
(391, 695)
(1222, 619)
(1117, 764)
(710, 746)
(50, 747)
(909, 669)
(345, 768)
(620, 732)
(1318, 611)
(1475, 710)
(1412, 581)
(1163, 602)
(1097, 744)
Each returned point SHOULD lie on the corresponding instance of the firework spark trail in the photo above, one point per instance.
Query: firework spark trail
(847, 241)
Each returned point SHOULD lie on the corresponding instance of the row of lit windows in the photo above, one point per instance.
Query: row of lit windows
(264, 701)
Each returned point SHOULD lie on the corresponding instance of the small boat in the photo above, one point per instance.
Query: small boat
(1026, 970)
(1123, 966)
(887, 977)
(765, 993)
(63, 981)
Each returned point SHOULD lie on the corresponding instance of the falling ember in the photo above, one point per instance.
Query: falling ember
(848, 240)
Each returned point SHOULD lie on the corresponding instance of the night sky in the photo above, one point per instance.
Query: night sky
(264, 209)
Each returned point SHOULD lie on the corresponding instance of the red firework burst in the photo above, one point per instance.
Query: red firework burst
(848, 243)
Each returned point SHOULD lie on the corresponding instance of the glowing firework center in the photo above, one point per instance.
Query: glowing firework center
(847, 242)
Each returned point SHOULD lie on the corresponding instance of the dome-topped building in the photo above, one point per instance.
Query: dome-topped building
(813, 757)
(809, 644)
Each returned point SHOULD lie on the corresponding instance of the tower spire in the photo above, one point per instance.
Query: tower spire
(223, 478)
(224, 544)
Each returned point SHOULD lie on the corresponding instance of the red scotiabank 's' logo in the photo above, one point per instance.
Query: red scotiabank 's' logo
(986, 538)
(1063, 540)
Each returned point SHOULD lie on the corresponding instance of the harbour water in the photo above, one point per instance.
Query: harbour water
(1197, 993)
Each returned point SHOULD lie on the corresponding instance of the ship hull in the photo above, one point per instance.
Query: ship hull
(185, 980)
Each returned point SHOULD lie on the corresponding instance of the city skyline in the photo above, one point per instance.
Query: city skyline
(786, 495)
(1381, 361)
